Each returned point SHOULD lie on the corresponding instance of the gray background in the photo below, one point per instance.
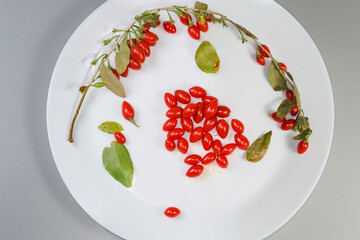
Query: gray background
(34, 202)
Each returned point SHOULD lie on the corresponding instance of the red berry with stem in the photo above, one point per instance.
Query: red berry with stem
(261, 60)
(274, 116)
(302, 146)
(158, 23)
(133, 40)
(170, 144)
(294, 110)
(207, 99)
(146, 28)
(128, 112)
(120, 138)
(204, 27)
(262, 51)
(195, 171)
(169, 27)
(184, 18)
(288, 124)
(290, 95)
(194, 32)
(172, 212)
(150, 37)
(282, 66)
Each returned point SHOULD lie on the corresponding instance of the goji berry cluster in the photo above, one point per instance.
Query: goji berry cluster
(208, 115)
(288, 124)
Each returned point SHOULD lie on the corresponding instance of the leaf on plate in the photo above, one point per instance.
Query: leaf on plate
(117, 162)
(111, 81)
(284, 108)
(206, 58)
(151, 19)
(276, 79)
(122, 57)
(110, 127)
(258, 149)
(304, 135)
(302, 124)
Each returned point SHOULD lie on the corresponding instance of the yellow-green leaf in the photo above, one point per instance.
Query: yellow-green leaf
(206, 58)
(111, 81)
(258, 149)
(276, 79)
(200, 6)
(117, 162)
(122, 57)
(110, 127)
(151, 19)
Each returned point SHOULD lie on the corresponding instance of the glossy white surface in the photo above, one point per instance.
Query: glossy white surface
(246, 200)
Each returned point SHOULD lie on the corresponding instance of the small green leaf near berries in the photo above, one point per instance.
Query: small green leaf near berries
(206, 58)
(117, 161)
(151, 19)
(258, 149)
(276, 79)
(122, 57)
(302, 124)
(284, 108)
(110, 127)
(304, 135)
(99, 85)
(111, 81)
(200, 6)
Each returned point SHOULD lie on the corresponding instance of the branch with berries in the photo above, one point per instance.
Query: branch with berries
(132, 45)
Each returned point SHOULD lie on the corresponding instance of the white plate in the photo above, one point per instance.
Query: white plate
(244, 201)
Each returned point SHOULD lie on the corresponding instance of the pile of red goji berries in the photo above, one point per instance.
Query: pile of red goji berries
(208, 115)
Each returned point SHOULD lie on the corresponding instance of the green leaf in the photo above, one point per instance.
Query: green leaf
(99, 85)
(117, 162)
(151, 19)
(122, 57)
(276, 79)
(302, 123)
(111, 81)
(304, 135)
(258, 149)
(110, 127)
(206, 58)
(201, 6)
(284, 108)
